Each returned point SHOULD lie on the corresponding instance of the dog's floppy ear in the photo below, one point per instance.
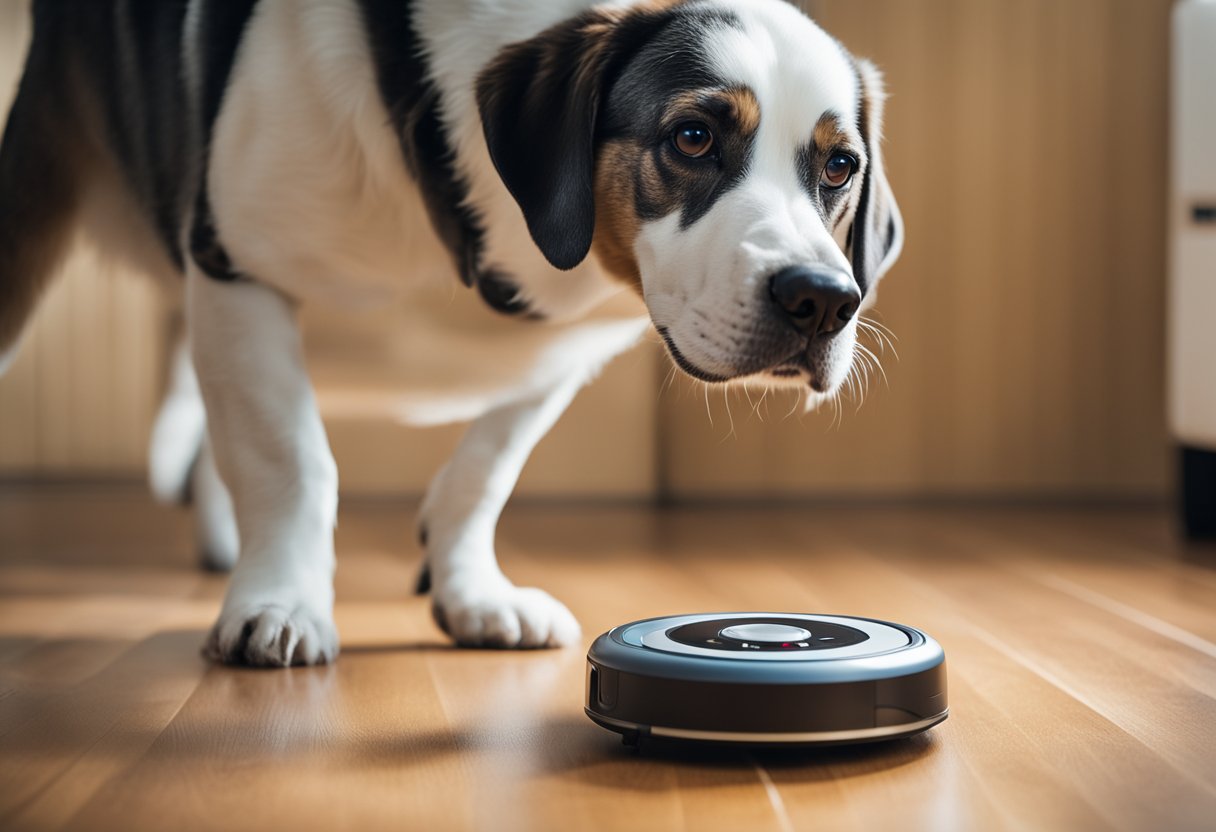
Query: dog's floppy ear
(877, 234)
(539, 103)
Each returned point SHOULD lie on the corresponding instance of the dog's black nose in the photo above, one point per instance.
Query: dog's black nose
(817, 299)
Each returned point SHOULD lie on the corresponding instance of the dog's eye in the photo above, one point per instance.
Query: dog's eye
(838, 171)
(693, 139)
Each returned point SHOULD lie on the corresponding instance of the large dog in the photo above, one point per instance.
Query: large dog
(710, 168)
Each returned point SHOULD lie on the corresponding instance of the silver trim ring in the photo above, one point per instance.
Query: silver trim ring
(883, 638)
(763, 737)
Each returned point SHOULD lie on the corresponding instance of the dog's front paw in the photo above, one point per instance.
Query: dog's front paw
(499, 614)
(274, 632)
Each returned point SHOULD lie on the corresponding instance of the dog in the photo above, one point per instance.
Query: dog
(531, 185)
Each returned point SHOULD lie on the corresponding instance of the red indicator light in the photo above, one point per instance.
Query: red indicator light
(785, 645)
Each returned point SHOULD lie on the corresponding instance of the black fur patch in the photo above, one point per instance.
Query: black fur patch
(422, 584)
(221, 27)
(672, 62)
(205, 248)
(542, 108)
(129, 54)
(412, 101)
(501, 293)
(859, 233)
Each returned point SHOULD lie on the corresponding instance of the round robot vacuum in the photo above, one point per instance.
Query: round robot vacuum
(766, 679)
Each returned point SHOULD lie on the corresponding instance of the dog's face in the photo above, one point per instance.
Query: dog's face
(722, 157)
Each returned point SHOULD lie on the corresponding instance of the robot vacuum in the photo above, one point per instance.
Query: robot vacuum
(766, 679)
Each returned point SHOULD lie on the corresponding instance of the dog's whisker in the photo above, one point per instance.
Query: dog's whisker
(881, 333)
(850, 387)
(880, 325)
(862, 366)
(671, 377)
(748, 395)
(730, 416)
(883, 336)
(759, 404)
(877, 363)
(797, 401)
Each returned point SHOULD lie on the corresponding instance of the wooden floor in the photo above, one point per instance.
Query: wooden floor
(1081, 646)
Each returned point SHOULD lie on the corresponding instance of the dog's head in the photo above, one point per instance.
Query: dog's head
(724, 157)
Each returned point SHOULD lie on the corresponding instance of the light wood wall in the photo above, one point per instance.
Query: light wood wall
(1027, 148)
(1026, 145)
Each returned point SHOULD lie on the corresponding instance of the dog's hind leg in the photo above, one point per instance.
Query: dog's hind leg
(474, 602)
(215, 530)
(181, 465)
(43, 158)
(271, 450)
(177, 434)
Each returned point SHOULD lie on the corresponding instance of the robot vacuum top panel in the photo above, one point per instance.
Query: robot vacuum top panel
(758, 647)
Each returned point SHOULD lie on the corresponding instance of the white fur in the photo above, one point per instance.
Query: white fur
(215, 530)
(178, 431)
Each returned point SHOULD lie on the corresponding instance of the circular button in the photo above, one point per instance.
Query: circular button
(765, 633)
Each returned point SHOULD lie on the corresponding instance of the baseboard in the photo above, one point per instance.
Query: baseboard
(1197, 492)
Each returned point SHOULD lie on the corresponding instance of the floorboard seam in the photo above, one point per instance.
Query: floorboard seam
(1150, 622)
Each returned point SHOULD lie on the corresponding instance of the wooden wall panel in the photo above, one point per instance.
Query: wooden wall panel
(1026, 145)
(80, 398)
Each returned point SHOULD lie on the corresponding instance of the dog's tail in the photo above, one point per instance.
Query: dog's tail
(43, 158)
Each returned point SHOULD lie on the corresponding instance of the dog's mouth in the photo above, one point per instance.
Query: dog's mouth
(686, 365)
(798, 368)
(794, 368)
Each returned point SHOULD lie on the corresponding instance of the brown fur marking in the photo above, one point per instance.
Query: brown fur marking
(830, 133)
(625, 171)
(616, 219)
(745, 109)
(736, 105)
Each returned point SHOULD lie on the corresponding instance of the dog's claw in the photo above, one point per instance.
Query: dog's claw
(423, 585)
(272, 636)
(506, 617)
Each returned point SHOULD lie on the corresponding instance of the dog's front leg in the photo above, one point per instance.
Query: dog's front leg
(271, 450)
(474, 602)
